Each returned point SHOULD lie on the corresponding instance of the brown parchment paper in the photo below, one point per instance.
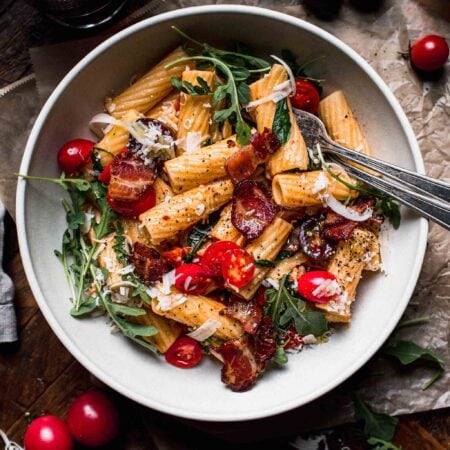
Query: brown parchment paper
(378, 37)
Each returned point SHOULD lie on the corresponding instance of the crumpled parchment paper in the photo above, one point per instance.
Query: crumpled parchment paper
(378, 37)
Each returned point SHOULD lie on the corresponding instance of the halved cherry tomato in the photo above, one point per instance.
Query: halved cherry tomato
(238, 267)
(212, 258)
(185, 352)
(176, 256)
(192, 279)
(48, 433)
(133, 209)
(429, 52)
(310, 281)
(306, 96)
(105, 176)
(73, 154)
(93, 420)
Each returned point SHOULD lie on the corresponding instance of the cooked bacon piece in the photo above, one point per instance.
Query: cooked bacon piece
(265, 343)
(252, 209)
(292, 340)
(265, 143)
(248, 313)
(130, 177)
(148, 262)
(243, 163)
(361, 204)
(240, 366)
(339, 232)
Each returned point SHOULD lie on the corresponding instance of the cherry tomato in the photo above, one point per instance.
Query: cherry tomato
(105, 176)
(176, 256)
(133, 209)
(73, 154)
(93, 419)
(212, 258)
(48, 433)
(310, 281)
(185, 352)
(429, 53)
(192, 279)
(306, 96)
(238, 267)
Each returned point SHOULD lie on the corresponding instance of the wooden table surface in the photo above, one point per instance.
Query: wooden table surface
(38, 374)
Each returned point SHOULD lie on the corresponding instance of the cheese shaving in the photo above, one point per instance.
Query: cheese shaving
(205, 330)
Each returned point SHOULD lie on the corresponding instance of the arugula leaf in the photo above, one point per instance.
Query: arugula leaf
(283, 255)
(193, 90)
(376, 425)
(286, 309)
(127, 310)
(86, 307)
(75, 219)
(281, 125)
(264, 263)
(134, 329)
(390, 210)
(382, 445)
(299, 70)
(408, 352)
(107, 214)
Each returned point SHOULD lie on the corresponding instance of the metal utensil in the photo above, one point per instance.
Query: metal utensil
(427, 196)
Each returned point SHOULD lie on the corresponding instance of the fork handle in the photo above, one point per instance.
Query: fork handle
(432, 209)
(423, 183)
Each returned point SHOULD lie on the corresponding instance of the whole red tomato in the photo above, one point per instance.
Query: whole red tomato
(48, 433)
(93, 419)
(306, 96)
(429, 53)
(74, 154)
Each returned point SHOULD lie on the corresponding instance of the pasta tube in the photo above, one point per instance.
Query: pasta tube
(287, 265)
(167, 110)
(347, 265)
(202, 166)
(306, 189)
(224, 230)
(162, 190)
(134, 231)
(148, 90)
(267, 246)
(195, 111)
(293, 154)
(184, 210)
(197, 309)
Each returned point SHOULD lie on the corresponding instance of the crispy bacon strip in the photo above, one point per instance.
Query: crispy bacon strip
(252, 209)
(245, 358)
(148, 262)
(240, 367)
(243, 163)
(248, 313)
(130, 177)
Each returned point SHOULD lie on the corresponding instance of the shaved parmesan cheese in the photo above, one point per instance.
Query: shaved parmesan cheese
(288, 70)
(321, 183)
(88, 216)
(279, 92)
(168, 302)
(98, 251)
(200, 209)
(127, 269)
(191, 142)
(309, 339)
(168, 280)
(206, 330)
(270, 282)
(327, 288)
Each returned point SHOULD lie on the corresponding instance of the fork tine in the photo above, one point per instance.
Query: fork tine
(433, 209)
(406, 177)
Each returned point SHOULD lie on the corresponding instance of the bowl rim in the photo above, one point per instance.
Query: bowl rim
(66, 340)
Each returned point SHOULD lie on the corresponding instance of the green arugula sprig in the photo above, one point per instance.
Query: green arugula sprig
(79, 184)
(264, 263)
(408, 352)
(285, 310)
(239, 60)
(202, 88)
(378, 427)
(385, 203)
(232, 91)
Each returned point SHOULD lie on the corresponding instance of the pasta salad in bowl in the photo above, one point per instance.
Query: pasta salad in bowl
(200, 224)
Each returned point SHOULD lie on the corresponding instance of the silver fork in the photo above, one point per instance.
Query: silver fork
(427, 196)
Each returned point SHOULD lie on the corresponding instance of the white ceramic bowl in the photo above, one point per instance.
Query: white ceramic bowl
(198, 393)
